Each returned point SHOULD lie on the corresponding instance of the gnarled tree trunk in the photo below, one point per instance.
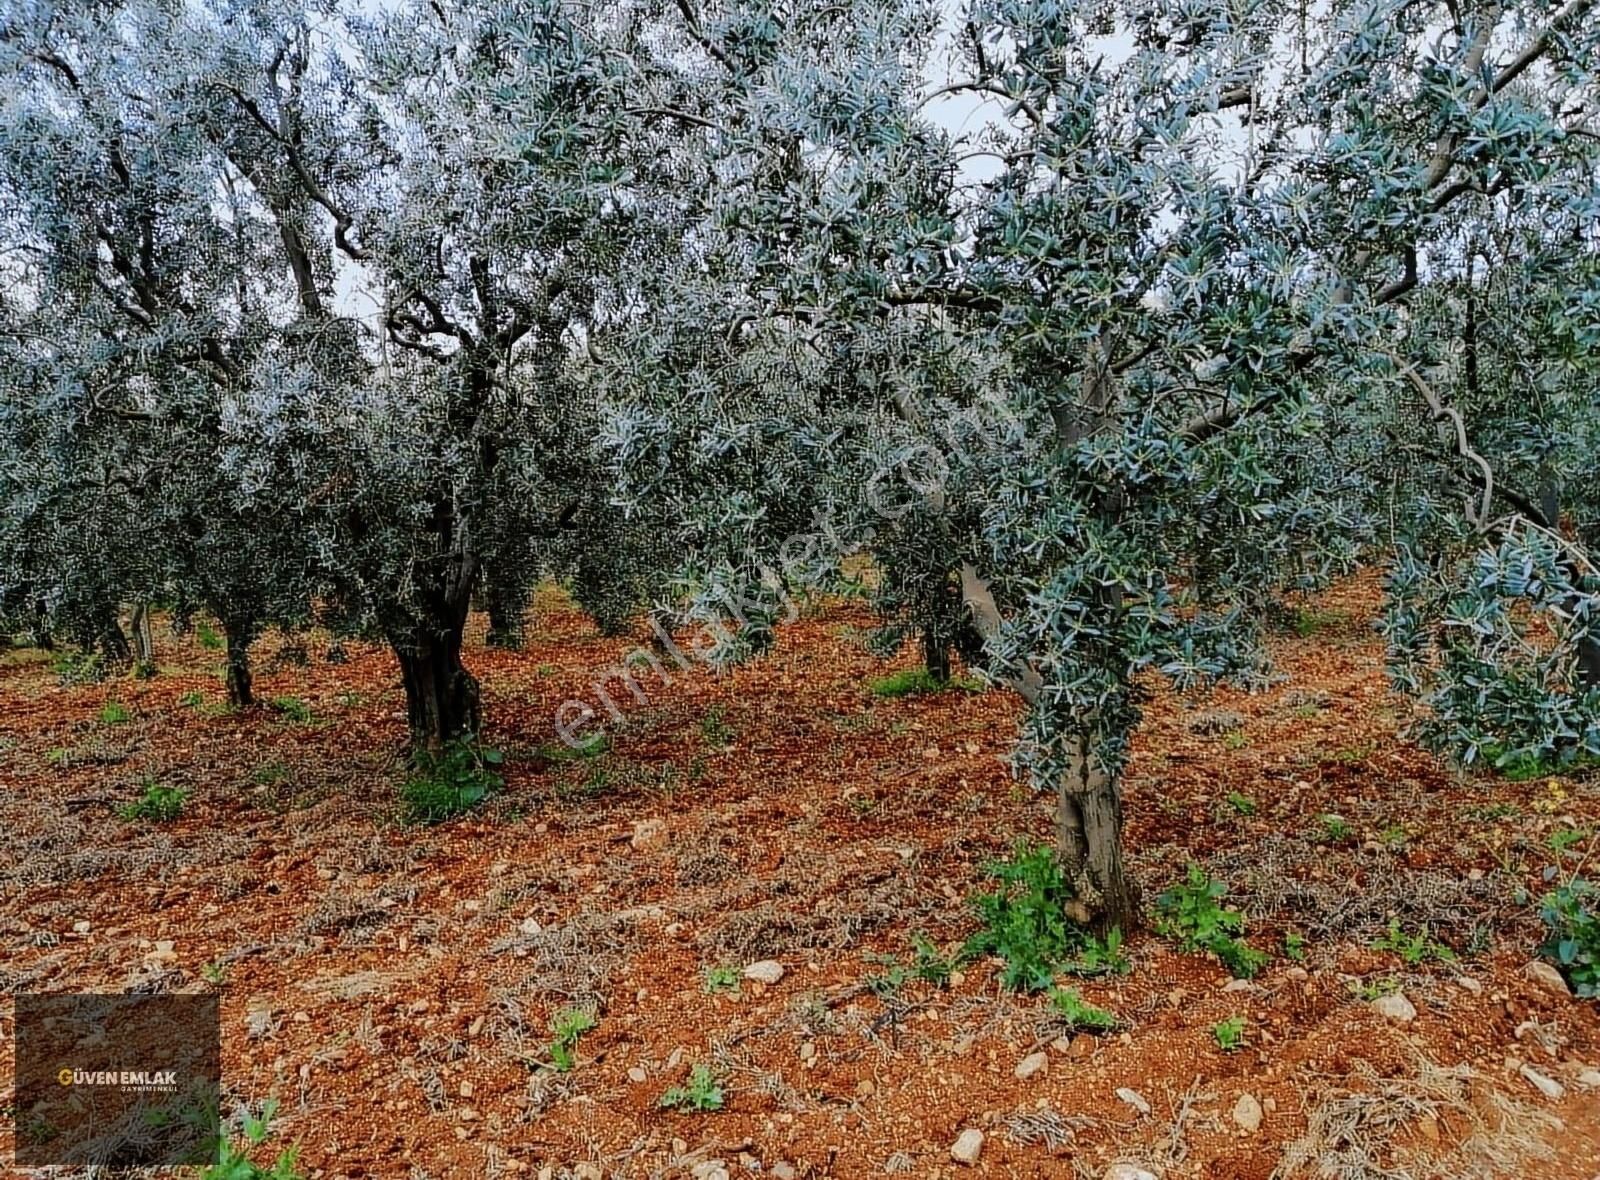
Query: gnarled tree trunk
(1089, 836)
(442, 703)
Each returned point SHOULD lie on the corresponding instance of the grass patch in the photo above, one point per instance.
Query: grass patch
(157, 804)
(115, 713)
(915, 681)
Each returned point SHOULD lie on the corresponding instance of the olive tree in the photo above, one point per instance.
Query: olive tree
(1188, 271)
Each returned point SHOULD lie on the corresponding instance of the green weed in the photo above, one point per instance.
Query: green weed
(448, 782)
(1190, 913)
(157, 804)
(1229, 1033)
(701, 1093)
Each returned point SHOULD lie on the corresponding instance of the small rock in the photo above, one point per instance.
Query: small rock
(1547, 1086)
(1239, 985)
(1134, 1099)
(587, 1171)
(1082, 1046)
(81, 927)
(1467, 983)
(865, 1088)
(807, 1051)
(530, 927)
(1247, 1113)
(1589, 1079)
(1429, 1126)
(967, 1147)
(466, 1090)
(1546, 977)
(637, 1074)
(1062, 1044)
(648, 835)
(709, 1170)
(1128, 1172)
(784, 1170)
(767, 971)
(1395, 1007)
(1031, 1064)
(1298, 974)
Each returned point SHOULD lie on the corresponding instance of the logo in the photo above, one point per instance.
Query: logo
(163, 1081)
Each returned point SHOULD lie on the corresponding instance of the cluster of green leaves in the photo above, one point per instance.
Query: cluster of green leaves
(717, 979)
(1415, 949)
(1191, 914)
(157, 803)
(234, 1158)
(1229, 1033)
(1571, 914)
(292, 708)
(1025, 921)
(567, 1028)
(447, 782)
(701, 1093)
(114, 713)
(1078, 1013)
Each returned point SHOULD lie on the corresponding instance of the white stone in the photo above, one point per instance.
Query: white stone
(1395, 1007)
(1547, 977)
(1547, 1086)
(767, 971)
(648, 835)
(637, 1074)
(530, 927)
(1247, 1113)
(1467, 983)
(784, 1170)
(709, 1170)
(1128, 1172)
(967, 1147)
(1589, 1079)
(81, 927)
(1134, 1099)
(1031, 1064)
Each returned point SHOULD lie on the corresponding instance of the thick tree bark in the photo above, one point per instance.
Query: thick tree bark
(240, 634)
(1089, 835)
(442, 702)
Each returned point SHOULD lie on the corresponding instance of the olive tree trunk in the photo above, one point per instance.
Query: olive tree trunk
(505, 606)
(935, 655)
(1089, 837)
(144, 641)
(442, 703)
(240, 634)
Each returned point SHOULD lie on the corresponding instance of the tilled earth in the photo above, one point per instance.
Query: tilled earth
(393, 986)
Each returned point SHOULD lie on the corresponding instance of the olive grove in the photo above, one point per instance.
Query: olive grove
(1096, 326)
